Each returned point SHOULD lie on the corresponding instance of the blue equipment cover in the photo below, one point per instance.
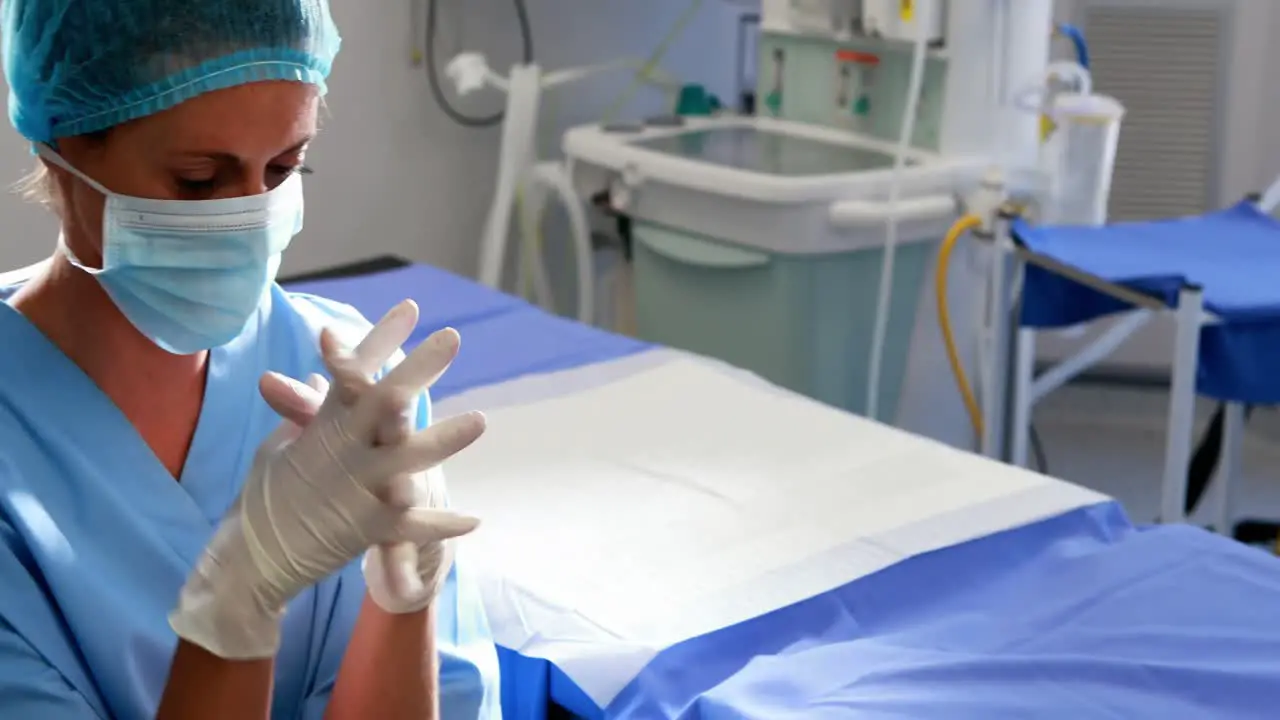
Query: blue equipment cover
(503, 337)
(1079, 616)
(1233, 255)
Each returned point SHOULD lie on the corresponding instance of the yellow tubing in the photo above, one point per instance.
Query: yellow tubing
(957, 231)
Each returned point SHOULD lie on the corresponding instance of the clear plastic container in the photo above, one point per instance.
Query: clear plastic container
(1069, 77)
(1080, 158)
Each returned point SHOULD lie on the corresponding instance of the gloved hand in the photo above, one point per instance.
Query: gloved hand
(316, 498)
(401, 577)
(400, 584)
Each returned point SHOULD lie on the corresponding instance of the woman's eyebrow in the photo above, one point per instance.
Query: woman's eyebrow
(223, 156)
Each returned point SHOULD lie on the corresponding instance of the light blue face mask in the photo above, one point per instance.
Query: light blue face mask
(189, 274)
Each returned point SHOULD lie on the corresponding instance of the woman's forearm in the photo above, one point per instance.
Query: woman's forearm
(202, 685)
(390, 669)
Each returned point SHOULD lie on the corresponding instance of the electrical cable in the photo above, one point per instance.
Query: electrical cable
(433, 75)
(884, 292)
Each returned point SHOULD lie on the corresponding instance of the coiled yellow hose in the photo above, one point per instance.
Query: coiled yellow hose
(957, 231)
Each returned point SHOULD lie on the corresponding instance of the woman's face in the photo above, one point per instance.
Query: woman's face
(236, 142)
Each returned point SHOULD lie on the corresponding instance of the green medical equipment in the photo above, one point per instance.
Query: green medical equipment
(759, 242)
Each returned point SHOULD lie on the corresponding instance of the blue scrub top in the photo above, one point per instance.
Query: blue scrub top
(96, 538)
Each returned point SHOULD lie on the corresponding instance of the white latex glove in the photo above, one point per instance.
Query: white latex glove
(398, 574)
(401, 577)
(315, 499)
(384, 567)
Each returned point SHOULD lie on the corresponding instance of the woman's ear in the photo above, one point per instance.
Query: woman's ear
(57, 180)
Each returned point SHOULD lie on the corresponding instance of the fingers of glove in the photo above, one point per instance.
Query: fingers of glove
(392, 331)
(353, 370)
(393, 398)
(393, 430)
(430, 488)
(349, 380)
(431, 447)
(422, 526)
(398, 563)
(286, 432)
(385, 413)
(405, 491)
(424, 366)
(318, 383)
(294, 401)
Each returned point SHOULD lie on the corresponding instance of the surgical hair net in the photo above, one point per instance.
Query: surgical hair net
(78, 66)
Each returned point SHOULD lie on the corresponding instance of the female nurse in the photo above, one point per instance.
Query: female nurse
(168, 547)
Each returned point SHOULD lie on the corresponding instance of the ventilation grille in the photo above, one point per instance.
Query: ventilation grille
(1165, 64)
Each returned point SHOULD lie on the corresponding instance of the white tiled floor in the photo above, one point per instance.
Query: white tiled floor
(1112, 439)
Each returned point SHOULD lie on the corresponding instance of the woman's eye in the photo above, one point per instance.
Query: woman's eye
(201, 187)
(196, 185)
(283, 172)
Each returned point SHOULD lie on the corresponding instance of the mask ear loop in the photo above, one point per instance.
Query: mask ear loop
(48, 154)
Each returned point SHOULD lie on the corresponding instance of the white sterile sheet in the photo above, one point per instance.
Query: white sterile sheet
(678, 498)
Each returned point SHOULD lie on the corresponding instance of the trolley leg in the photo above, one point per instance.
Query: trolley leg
(995, 327)
(1001, 324)
(1182, 396)
(1229, 468)
(1023, 401)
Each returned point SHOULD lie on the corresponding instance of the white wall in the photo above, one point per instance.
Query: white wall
(392, 174)
(1250, 139)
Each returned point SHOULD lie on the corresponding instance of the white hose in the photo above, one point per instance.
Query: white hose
(518, 175)
(555, 176)
(884, 296)
(515, 156)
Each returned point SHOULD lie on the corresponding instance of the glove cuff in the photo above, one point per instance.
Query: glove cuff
(230, 626)
(222, 607)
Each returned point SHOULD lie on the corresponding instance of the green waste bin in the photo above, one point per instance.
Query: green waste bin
(804, 322)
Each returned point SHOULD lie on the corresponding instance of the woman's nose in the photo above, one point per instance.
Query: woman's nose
(253, 182)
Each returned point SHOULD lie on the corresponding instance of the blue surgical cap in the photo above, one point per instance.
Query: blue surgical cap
(78, 66)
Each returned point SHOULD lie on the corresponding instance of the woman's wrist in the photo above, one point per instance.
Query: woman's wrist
(390, 669)
(392, 618)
